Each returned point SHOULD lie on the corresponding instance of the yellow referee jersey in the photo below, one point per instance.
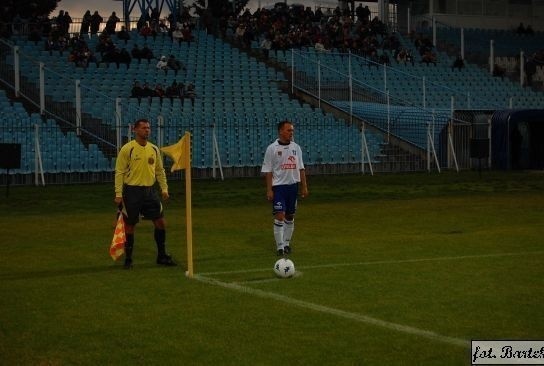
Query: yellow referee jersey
(139, 165)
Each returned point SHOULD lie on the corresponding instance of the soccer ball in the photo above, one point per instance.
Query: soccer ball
(284, 268)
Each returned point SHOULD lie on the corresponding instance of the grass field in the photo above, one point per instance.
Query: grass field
(392, 270)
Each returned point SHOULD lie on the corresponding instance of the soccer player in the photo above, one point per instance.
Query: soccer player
(139, 165)
(283, 169)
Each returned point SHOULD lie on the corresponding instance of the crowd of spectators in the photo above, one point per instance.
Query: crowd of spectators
(531, 64)
(179, 30)
(284, 27)
(170, 63)
(348, 30)
(279, 28)
(521, 29)
(107, 51)
(173, 91)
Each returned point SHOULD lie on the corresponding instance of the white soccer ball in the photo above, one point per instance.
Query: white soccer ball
(284, 268)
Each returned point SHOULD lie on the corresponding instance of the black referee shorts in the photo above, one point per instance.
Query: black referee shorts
(139, 200)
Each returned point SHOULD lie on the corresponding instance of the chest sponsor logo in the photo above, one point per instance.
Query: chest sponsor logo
(290, 164)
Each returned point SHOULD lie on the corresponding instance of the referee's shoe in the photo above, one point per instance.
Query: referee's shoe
(166, 260)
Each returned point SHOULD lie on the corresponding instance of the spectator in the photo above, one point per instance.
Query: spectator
(96, 20)
(105, 45)
(374, 59)
(363, 15)
(18, 25)
(155, 14)
(85, 22)
(124, 58)
(530, 69)
(147, 92)
(137, 91)
(142, 21)
(146, 31)
(60, 21)
(82, 57)
(539, 57)
(111, 56)
(409, 57)
(319, 46)
(239, 34)
(175, 64)
(498, 71)
(163, 28)
(172, 91)
(459, 63)
(111, 23)
(123, 34)
(191, 93)
(177, 35)
(266, 45)
(51, 45)
(67, 22)
(159, 91)
(77, 42)
(428, 57)
(147, 53)
(186, 32)
(384, 59)
(136, 53)
(34, 35)
(162, 64)
(401, 56)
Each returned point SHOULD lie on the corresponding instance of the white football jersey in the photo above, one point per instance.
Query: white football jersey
(284, 162)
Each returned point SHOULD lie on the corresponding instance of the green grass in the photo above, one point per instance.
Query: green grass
(456, 254)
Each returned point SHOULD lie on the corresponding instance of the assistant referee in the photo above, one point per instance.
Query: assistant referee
(139, 165)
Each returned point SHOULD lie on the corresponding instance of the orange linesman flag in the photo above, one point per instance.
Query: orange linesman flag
(117, 247)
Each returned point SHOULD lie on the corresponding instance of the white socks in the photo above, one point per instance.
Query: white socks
(283, 232)
(288, 229)
(278, 233)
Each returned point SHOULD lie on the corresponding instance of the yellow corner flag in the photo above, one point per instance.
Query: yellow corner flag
(180, 153)
(117, 247)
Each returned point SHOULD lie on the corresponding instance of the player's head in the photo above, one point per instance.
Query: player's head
(142, 129)
(286, 129)
(283, 123)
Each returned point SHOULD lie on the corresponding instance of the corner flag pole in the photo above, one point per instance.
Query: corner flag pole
(180, 153)
(188, 205)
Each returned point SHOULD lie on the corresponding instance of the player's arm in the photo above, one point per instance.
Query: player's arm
(269, 192)
(160, 174)
(267, 171)
(303, 184)
(121, 164)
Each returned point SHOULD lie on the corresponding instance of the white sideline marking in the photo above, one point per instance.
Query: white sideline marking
(256, 281)
(265, 280)
(340, 313)
(399, 261)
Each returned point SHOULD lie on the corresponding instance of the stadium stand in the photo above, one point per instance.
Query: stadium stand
(238, 96)
(61, 152)
(233, 91)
